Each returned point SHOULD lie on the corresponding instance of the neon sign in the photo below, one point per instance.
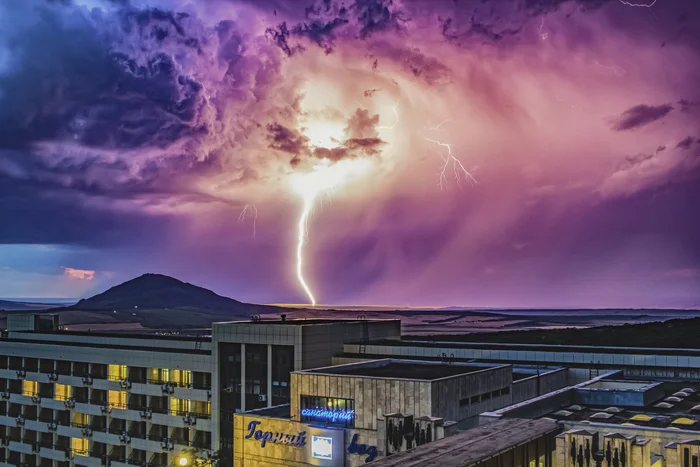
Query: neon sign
(330, 415)
(362, 449)
(276, 438)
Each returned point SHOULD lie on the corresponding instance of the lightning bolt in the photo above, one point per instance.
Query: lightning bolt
(396, 114)
(249, 208)
(449, 160)
(302, 238)
(643, 5)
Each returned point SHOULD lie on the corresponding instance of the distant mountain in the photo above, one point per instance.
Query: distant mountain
(156, 291)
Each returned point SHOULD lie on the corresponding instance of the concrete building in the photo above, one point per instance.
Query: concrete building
(92, 399)
(255, 359)
(591, 360)
(373, 409)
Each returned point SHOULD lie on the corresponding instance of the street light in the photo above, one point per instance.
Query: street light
(183, 461)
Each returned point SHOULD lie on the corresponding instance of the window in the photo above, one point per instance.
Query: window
(116, 372)
(179, 406)
(201, 408)
(505, 391)
(475, 399)
(155, 375)
(79, 419)
(486, 396)
(463, 402)
(495, 393)
(327, 410)
(183, 378)
(79, 446)
(117, 399)
(29, 388)
(62, 392)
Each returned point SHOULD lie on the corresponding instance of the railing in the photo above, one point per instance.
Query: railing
(175, 384)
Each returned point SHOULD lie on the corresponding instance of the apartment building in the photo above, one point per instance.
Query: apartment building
(94, 399)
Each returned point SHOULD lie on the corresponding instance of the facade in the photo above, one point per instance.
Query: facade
(255, 359)
(369, 410)
(93, 399)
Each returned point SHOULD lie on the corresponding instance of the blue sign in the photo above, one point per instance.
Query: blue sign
(330, 415)
(362, 449)
(322, 447)
(277, 438)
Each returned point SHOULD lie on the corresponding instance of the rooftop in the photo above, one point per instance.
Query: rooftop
(472, 446)
(304, 321)
(402, 369)
(677, 407)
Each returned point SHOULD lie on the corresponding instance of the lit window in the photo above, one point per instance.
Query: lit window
(117, 399)
(79, 419)
(29, 388)
(62, 392)
(179, 406)
(116, 372)
(79, 446)
(182, 377)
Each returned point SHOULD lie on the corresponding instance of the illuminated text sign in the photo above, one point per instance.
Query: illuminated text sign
(330, 415)
(277, 438)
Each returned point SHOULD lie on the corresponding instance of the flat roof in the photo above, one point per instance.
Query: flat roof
(472, 446)
(402, 369)
(305, 321)
(674, 409)
(415, 341)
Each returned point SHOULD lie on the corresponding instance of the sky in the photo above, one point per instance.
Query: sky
(509, 153)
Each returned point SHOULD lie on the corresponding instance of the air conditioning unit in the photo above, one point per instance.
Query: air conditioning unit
(87, 432)
(146, 414)
(124, 438)
(70, 403)
(53, 377)
(36, 399)
(87, 380)
(126, 384)
(6, 395)
(21, 373)
(262, 397)
(20, 421)
(53, 426)
(105, 409)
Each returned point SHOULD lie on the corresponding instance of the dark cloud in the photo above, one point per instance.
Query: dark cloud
(326, 19)
(641, 115)
(286, 140)
(686, 143)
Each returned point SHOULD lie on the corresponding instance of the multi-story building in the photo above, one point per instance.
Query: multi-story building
(94, 399)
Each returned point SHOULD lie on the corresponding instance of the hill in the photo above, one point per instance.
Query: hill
(668, 334)
(151, 291)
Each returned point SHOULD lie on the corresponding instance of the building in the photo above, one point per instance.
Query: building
(372, 409)
(255, 359)
(504, 443)
(635, 361)
(92, 399)
(613, 421)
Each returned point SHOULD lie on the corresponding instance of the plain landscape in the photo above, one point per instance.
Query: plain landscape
(159, 302)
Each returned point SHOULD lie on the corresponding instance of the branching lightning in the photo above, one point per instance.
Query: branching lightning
(449, 160)
(643, 5)
(249, 209)
(396, 122)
